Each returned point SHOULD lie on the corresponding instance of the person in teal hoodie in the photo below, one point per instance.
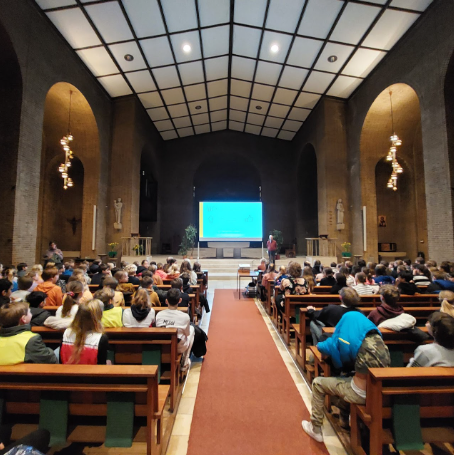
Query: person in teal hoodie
(356, 342)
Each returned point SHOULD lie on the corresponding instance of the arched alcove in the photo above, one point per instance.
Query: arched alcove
(306, 177)
(10, 112)
(449, 106)
(407, 222)
(66, 216)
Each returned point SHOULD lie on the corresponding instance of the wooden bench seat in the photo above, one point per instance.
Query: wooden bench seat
(294, 302)
(134, 346)
(87, 390)
(303, 334)
(432, 389)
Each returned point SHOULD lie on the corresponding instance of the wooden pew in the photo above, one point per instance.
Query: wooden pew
(130, 344)
(433, 388)
(88, 389)
(294, 302)
(269, 292)
(321, 290)
(302, 328)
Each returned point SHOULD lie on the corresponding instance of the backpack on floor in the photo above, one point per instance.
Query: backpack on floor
(199, 348)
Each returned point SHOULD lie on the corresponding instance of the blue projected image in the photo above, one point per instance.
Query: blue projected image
(230, 221)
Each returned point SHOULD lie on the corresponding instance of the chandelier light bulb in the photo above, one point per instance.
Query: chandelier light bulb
(69, 164)
(65, 175)
(63, 141)
(395, 188)
(70, 137)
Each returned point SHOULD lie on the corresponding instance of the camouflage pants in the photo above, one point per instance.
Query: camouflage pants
(339, 387)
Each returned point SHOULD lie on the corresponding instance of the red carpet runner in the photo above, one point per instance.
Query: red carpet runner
(247, 402)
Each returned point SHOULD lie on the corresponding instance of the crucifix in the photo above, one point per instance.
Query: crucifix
(74, 224)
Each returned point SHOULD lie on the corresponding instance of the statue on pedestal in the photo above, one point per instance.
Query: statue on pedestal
(118, 206)
(340, 215)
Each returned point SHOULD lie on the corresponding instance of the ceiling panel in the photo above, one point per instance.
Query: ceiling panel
(179, 15)
(141, 81)
(307, 100)
(166, 77)
(178, 110)
(183, 132)
(120, 50)
(268, 73)
(304, 51)
(46, 4)
(250, 12)
(389, 29)
(262, 92)
(217, 88)
(110, 21)
(363, 62)
(217, 68)
(75, 28)
(416, 5)
(318, 82)
(218, 115)
(173, 96)
(157, 51)
(198, 107)
(145, 17)
(215, 41)
(195, 92)
(246, 41)
(218, 103)
(167, 135)
(237, 126)
(293, 77)
(151, 99)
(319, 17)
(284, 14)
(285, 96)
(354, 22)
(344, 86)
(341, 52)
(243, 68)
(179, 43)
(217, 126)
(214, 12)
(253, 129)
(275, 46)
(158, 113)
(240, 88)
(98, 61)
(115, 85)
(238, 116)
(201, 129)
(180, 59)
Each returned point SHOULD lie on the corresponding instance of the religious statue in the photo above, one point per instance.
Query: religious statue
(118, 206)
(340, 214)
(74, 224)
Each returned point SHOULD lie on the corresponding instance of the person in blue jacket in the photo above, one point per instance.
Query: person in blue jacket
(356, 342)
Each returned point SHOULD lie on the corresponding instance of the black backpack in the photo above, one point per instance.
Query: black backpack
(199, 348)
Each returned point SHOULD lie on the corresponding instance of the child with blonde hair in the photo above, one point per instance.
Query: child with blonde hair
(140, 314)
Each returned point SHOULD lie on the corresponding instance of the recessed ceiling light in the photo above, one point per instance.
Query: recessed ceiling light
(274, 48)
(187, 48)
(198, 107)
(129, 57)
(259, 108)
(332, 58)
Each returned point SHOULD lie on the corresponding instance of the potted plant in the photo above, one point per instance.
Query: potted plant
(113, 249)
(346, 250)
(138, 249)
(277, 235)
(188, 241)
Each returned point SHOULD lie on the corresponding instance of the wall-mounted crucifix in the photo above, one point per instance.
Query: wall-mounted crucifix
(73, 222)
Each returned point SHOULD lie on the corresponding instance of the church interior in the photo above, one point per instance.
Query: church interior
(119, 117)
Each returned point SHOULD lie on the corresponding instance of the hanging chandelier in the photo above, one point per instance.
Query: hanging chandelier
(65, 142)
(395, 142)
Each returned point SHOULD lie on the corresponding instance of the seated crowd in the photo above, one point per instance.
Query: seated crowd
(25, 294)
(357, 342)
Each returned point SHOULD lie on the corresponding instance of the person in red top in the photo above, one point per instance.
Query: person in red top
(271, 246)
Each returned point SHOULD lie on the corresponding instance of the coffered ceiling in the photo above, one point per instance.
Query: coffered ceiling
(257, 66)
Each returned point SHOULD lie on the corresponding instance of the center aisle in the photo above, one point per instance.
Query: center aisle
(247, 402)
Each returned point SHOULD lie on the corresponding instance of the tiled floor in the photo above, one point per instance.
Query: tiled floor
(179, 439)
